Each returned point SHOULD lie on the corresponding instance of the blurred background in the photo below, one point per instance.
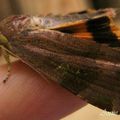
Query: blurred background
(35, 7)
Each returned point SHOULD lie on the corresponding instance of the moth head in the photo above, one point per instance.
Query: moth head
(4, 42)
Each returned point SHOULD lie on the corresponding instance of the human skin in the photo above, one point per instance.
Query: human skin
(28, 95)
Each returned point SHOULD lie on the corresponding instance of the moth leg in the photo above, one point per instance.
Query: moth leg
(7, 58)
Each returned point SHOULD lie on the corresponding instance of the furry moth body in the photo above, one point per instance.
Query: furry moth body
(78, 65)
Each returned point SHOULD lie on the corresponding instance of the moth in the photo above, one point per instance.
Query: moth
(80, 51)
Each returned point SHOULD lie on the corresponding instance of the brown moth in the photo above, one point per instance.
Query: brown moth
(80, 51)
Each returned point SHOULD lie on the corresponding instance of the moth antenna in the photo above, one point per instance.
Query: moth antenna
(7, 58)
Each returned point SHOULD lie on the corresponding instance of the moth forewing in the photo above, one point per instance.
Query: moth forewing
(75, 64)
